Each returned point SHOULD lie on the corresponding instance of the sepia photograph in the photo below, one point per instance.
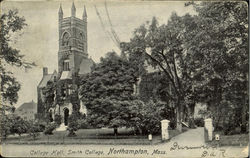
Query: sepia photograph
(128, 78)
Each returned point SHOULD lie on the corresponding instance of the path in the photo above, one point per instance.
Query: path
(192, 137)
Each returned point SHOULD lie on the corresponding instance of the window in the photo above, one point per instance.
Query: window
(66, 65)
(65, 40)
(81, 41)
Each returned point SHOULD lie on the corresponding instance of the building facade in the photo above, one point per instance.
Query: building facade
(27, 111)
(73, 62)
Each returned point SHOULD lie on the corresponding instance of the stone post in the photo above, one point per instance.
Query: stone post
(209, 127)
(164, 129)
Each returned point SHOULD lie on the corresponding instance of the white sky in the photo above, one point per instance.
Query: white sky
(39, 41)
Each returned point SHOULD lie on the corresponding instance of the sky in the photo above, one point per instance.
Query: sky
(39, 40)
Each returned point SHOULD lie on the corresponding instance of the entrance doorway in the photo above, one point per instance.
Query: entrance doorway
(66, 116)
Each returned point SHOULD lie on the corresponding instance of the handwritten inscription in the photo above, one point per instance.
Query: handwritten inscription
(219, 153)
(176, 146)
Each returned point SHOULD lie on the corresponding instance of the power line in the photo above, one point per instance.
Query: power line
(104, 28)
(111, 26)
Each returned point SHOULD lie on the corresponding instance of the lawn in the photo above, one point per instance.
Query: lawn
(91, 136)
(231, 140)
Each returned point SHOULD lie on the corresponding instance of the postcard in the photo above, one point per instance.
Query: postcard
(124, 78)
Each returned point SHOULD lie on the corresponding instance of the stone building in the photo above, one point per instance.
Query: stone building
(45, 79)
(27, 111)
(73, 62)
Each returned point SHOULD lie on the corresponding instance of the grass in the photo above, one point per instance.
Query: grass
(231, 140)
(91, 136)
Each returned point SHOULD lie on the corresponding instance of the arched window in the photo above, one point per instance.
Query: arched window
(65, 40)
(81, 36)
(81, 39)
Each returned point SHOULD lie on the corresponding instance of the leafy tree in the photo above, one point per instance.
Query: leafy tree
(162, 48)
(107, 90)
(153, 87)
(221, 43)
(11, 23)
(195, 50)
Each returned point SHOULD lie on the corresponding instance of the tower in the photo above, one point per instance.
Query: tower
(72, 40)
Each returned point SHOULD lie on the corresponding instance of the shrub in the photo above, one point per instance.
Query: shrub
(50, 128)
(58, 119)
(13, 124)
(34, 129)
(19, 125)
(146, 118)
(41, 124)
(82, 124)
(73, 124)
(199, 122)
(6, 125)
(41, 127)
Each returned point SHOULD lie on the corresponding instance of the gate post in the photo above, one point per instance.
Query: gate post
(209, 128)
(164, 129)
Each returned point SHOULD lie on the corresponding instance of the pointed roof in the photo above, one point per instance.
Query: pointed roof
(60, 9)
(28, 105)
(73, 9)
(85, 66)
(46, 78)
(84, 12)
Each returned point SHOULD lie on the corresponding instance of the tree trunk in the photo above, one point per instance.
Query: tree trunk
(243, 118)
(190, 110)
(179, 119)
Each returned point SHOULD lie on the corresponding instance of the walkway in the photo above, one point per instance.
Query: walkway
(192, 137)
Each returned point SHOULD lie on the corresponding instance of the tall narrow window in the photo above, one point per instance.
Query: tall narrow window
(65, 40)
(66, 65)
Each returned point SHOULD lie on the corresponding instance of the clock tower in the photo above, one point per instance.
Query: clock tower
(73, 62)
(72, 41)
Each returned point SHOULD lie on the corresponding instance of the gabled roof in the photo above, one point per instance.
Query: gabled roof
(25, 106)
(85, 66)
(46, 78)
(66, 75)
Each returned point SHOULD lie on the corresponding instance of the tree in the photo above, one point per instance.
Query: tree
(11, 23)
(193, 50)
(221, 43)
(107, 90)
(163, 48)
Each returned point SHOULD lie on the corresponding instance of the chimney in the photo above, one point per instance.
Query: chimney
(45, 71)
